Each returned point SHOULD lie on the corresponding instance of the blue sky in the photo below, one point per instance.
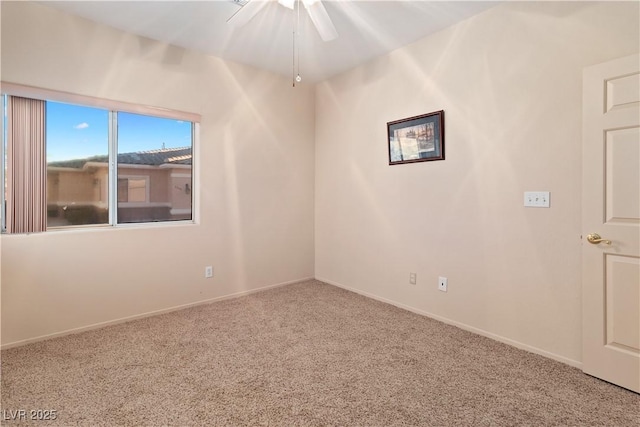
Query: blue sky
(75, 132)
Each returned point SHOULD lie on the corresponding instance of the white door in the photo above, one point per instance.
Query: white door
(611, 211)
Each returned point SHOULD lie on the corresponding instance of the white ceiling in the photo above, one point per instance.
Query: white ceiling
(366, 29)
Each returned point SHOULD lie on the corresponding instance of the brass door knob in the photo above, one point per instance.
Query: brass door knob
(595, 238)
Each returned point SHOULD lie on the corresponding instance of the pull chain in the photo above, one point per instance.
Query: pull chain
(296, 45)
(293, 59)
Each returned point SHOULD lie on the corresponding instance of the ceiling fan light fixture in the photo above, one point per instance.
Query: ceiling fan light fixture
(248, 10)
(315, 9)
(321, 19)
(287, 3)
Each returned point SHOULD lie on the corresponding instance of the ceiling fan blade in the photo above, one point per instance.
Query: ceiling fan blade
(247, 12)
(321, 19)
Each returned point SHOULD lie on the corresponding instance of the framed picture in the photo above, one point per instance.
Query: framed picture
(416, 139)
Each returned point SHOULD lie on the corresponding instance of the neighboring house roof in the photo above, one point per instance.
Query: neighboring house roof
(175, 156)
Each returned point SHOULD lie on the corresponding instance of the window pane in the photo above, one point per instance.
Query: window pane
(77, 165)
(154, 169)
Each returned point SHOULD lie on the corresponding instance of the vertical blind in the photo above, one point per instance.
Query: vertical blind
(26, 166)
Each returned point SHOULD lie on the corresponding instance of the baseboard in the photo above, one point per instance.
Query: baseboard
(460, 325)
(147, 314)
(522, 346)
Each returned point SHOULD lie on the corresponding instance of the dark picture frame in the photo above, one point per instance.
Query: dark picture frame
(416, 139)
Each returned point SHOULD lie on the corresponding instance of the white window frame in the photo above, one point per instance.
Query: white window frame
(113, 107)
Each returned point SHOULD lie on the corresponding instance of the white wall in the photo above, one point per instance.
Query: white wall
(256, 181)
(510, 82)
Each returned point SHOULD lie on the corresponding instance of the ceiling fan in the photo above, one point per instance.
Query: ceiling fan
(315, 8)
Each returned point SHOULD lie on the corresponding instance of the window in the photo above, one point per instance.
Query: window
(154, 168)
(77, 140)
(132, 190)
(103, 166)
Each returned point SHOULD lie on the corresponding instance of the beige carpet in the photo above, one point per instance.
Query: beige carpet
(307, 354)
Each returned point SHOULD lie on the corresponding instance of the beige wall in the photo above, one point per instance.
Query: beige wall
(180, 199)
(255, 167)
(510, 82)
(72, 185)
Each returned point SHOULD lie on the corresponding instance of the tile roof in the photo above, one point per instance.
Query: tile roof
(179, 156)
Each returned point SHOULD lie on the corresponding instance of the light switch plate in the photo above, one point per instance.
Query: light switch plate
(537, 199)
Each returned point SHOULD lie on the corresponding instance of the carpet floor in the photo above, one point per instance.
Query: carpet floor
(307, 354)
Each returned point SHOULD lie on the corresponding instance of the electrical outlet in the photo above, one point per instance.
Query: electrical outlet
(442, 284)
(413, 277)
(208, 272)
